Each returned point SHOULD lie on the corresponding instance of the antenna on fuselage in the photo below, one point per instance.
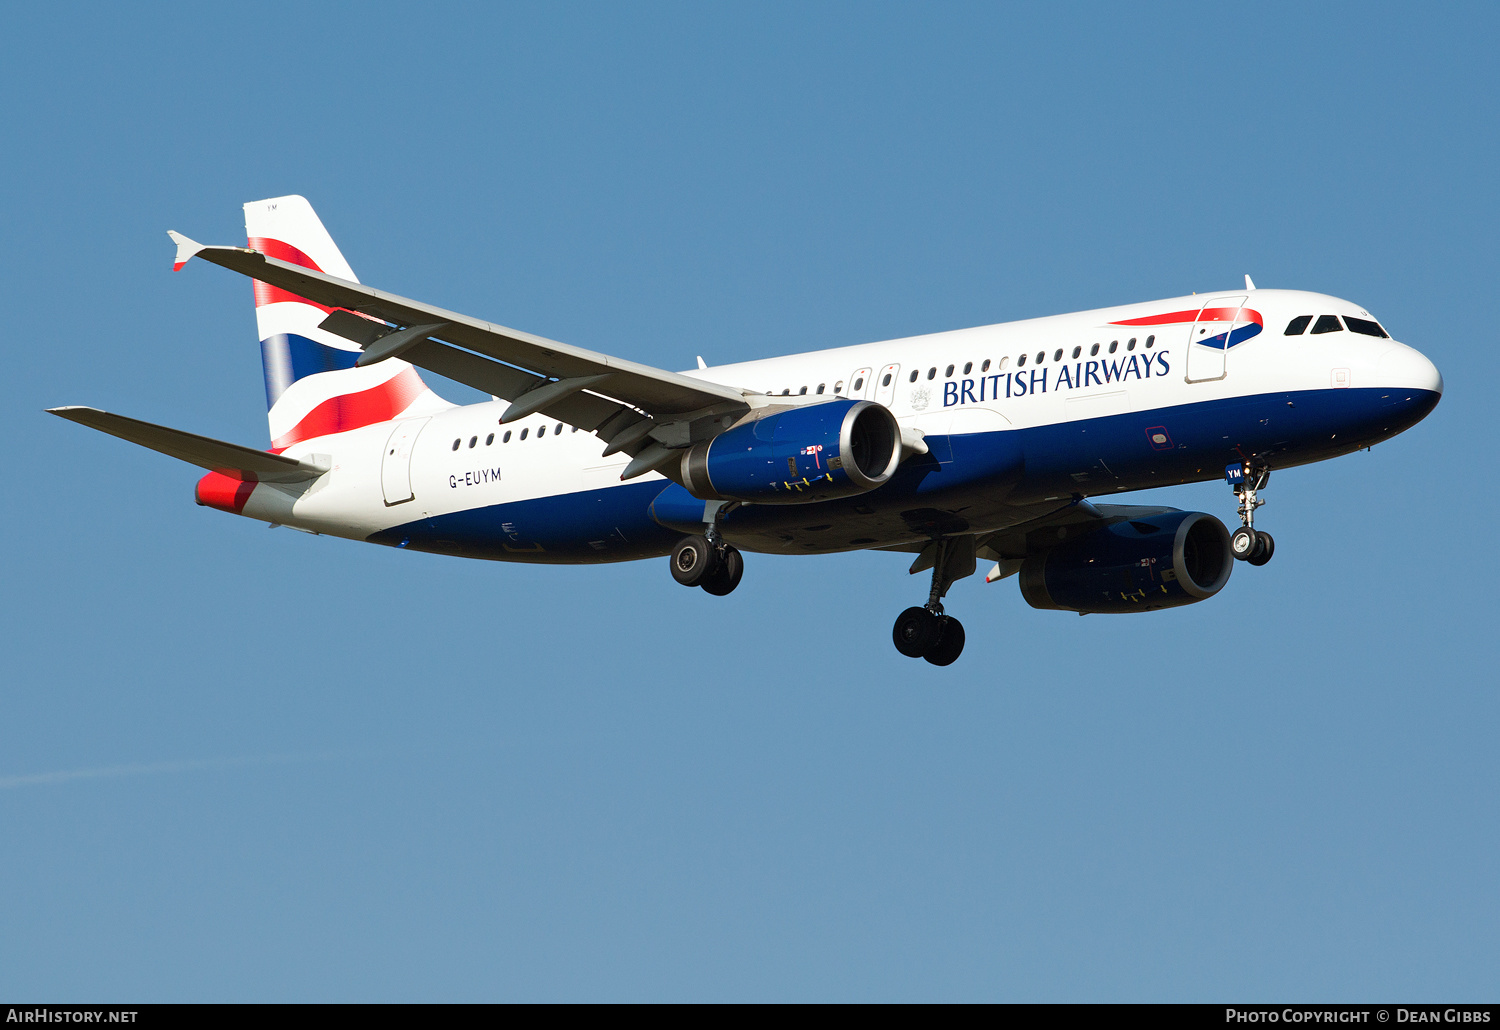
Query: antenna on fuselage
(1249, 283)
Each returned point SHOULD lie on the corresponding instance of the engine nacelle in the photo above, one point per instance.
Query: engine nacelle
(1157, 561)
(797, 455)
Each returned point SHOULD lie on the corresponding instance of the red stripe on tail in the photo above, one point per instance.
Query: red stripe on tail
(265, 293)
(354, 410)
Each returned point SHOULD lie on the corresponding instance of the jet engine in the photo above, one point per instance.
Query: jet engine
(815, 452)
(1135, 565)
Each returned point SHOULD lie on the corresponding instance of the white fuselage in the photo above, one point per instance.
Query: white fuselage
(1034, 378)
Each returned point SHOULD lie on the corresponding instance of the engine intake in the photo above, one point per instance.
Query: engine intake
(797, 455)
(1137, 565)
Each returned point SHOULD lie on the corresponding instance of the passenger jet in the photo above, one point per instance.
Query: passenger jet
(1006, 443)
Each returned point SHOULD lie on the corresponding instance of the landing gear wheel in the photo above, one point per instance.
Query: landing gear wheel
(1265, 546)
(1244, 543)
(693, 560)
(916, 631)
(727, 576)
(950, 643)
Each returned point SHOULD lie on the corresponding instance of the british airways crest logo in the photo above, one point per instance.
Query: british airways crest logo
(1233, 325)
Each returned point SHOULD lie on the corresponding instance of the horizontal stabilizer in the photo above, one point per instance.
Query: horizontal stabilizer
(229, 459)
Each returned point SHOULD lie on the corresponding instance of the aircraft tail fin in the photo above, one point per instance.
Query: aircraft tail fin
(312, 385)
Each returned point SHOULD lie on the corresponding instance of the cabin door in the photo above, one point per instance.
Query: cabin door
(1208, 342)
(395, 463)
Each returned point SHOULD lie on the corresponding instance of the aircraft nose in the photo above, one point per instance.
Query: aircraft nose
(1408, 368)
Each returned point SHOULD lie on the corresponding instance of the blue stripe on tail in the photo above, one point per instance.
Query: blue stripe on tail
(287, 358)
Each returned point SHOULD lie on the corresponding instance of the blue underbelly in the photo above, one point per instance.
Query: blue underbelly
(965, 480)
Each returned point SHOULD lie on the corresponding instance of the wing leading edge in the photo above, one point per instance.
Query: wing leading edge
(646, 412)
(230, 459)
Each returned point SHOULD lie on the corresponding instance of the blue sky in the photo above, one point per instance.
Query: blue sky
(249, 764)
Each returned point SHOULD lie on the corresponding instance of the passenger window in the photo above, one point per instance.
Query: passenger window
(557, 429)
(1093, 350)
(948, 374)
(913, 377)
(473, 440)
(1326, 324)
(1150, 342)
(1021, 361)
(1003, 363)
(820, 387)
(838, 387)
(506, 437)
(986, 366)
(788, 391)
(1041, 357)
(524, 432)
(1057, 355)
(1114, 345)
(489, 439)
(1131, 344)
(968, 367)
(541, 432)
(859, 384)
(1298, 325)
(1077, 351)
(803, 392)
(456, 443)
(932, 372)
(887, 380)
(1365, 326)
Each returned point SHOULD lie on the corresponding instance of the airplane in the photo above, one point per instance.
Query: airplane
(999, 443)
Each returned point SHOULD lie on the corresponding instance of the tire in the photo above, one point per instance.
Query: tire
(1265, 547)
(1243, 543)
(915, 632)
(693, 561)
(950, 643)
(726, 577)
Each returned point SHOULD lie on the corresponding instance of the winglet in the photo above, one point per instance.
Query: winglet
(186, 248)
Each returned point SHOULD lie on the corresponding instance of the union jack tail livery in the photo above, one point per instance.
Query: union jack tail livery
(312, 386)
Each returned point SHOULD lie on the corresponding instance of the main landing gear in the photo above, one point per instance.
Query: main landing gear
(707, 561)
(1248, 543)
(928, 632)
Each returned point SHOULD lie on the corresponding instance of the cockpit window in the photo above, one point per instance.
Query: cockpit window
(1327, 324)
(1298, 325)
(1366, 326)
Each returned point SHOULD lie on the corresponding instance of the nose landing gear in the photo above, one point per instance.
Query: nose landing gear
(928, 632)
(1248, 543)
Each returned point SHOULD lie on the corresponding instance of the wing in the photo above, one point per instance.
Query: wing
(229, 459)
(1009, 547)
(635, 408)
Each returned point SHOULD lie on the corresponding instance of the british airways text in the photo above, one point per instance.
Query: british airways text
(1080, 374)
